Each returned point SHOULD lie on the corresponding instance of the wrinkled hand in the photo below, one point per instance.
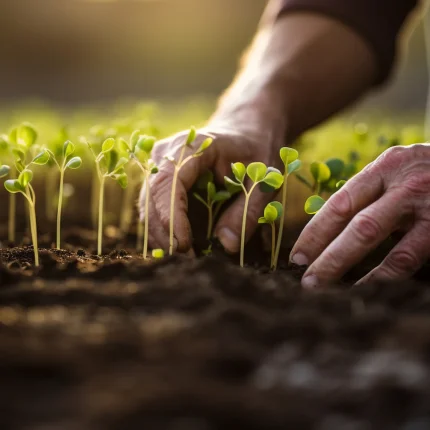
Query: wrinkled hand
(228, 147)
(391, 193)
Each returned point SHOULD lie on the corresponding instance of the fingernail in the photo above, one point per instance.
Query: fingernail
(229, 240)
(300, 259)
(310, 282)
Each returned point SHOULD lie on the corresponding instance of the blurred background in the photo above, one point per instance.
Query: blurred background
(79, 51)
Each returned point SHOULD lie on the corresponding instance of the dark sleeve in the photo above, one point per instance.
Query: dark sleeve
(377, 21)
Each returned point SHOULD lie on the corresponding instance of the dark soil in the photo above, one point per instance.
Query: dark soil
(117, 343)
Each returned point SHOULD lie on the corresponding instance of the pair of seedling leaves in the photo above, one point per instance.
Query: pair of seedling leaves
(22, 141)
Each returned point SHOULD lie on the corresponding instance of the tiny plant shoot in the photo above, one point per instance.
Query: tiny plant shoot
(178, 164)
(23, 185)
(290, 159)
(108, 165)
(67, 162)
(272, 213)
(314, 203)
(213, 198)
(139, 149)
(258, 173)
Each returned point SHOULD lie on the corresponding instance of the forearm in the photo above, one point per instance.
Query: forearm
(299, 71)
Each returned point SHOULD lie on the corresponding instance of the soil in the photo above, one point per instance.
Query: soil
(118, 343)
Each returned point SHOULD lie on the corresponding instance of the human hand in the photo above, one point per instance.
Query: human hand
(229, 146)
(391, 193)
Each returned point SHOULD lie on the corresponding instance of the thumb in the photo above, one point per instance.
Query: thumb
(229, 228)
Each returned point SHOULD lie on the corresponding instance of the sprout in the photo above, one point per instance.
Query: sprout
(67, 162)
(290, 159)
(139, 148)
(23, 185)
(272, 213)
(178, 164)
(314, 203)
(157, 253)
(259, 174)
(108, 165)
(213, 197)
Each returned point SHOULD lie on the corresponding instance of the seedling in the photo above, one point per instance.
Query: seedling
(67, 162)
(258, 173)
(23, 185)
(108, 165)
(272, 213)
(178, 164)
(290, 159)
(139, 149)
(314, 203)
(214, 200)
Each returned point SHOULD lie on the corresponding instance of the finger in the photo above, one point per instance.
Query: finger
(229, 227)
(358, 193)
(363, 234)
(405, 258)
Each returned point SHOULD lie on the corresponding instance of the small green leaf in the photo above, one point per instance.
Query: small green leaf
(232, 184)
(120, 163)
(108, 145)
(314, 204)
(146, 143)
(25, 177)
(262, 220)
(200, 199)
(13, 136)
(68, 149)
(239, 171)
(154, 170)
(294, 166)
(270, 213)
(18, 154)
(4, 170)
(74, 163)
(157, 253)
(191, 136)
(4, 142)
(26, 135)
(123, 145)
(134, 138)
(256, 171)
(42, 158)
(13, 186)
(320, 172)
(19, 165)
(122, 180)
(336, 166)
(278, 207)
(211, 189)
(221, 196)
(274, 180)
(288, 155)
(205, 145)
(340, 184)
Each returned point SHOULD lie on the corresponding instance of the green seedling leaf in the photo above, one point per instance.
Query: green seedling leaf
(320, 172)
(26, 135)
(336, 166)
(25, 177)
(211, 190)
(68, 149)
(256, 171)
(200, 198)
(205, 145)
(4, 142)
(13, 186)
(123, 145)
(42, 158)
(19, 165)
(146, 143)
(294, 166)
(120, 163)
(154, 170)
(262, 220)
(288, 155)
(191, 136)
(265, 188)
(18, 154)
(278, 207)
(122, 180)
(314, 204)
(157, 253)
(108, 145)
(230, 184)
(4, 170)
(270, 213)
(221, 196)
(134, 138)
(274, 180)
(340, 184)
(13, 136)
(239, 171)
(74, 163)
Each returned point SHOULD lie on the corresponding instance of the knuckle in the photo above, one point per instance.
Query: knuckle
(340, 204)
(365, 228)
(417, 183)
(402, 261)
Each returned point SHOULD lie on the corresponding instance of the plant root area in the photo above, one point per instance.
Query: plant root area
(118, 343)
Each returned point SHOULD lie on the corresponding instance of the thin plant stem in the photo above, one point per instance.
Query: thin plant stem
(210, 221)
(145, 239)
(245, 212)
(100, 227)
(33, 223)
(273, 244)
(95, 182)
(217, 209)
(59, 208)
(282, 221)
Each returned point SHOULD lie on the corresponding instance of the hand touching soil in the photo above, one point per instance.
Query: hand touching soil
(392, 193)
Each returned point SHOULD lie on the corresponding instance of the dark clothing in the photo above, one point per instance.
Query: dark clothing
(377, 21)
